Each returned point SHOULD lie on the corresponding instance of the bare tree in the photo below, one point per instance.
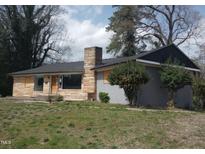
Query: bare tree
(29, 36)
(164, 25)
(33, 34)
(151, 26)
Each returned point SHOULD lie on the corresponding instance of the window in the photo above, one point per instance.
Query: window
(38, 83)
(105, 76)
(72, 81)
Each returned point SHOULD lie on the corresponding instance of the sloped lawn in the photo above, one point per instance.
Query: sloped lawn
(95, 125)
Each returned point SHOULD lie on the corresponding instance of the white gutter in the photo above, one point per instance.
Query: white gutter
(158, 64)
(192, 69)
(148, 62)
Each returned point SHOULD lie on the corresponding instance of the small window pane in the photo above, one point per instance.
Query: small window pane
(38, 83)
(72, 81)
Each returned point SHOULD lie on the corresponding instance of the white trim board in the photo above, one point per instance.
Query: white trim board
(147, 63)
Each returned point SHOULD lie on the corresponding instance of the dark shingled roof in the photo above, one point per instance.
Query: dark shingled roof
(159, 55)
(54, 68)
(172, 52)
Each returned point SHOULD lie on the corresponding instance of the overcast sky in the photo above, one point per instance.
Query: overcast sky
(85, 26)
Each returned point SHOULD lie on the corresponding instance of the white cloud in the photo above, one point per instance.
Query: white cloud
(190, 47)
(85, 11)
(84, 34)
(98, 9)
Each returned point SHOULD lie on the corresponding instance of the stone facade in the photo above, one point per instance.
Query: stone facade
(72, 94)
(21, 88)
(47, 85)
(92, 57)
(24, 85)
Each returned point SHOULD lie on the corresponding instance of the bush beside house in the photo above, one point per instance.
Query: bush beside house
(104, 97)
(198, 93)
(129, 76)
(173, 78)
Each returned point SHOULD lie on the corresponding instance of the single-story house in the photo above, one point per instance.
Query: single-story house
(84, 80)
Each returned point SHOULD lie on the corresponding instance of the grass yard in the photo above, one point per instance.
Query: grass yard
(95, 125)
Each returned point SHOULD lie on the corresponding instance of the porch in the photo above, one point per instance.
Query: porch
(68, 85)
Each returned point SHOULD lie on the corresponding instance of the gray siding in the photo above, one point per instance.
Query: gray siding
(152, 94)
(115, 92)
(183, 97)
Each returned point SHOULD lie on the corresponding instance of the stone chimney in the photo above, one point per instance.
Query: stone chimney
(92, 57)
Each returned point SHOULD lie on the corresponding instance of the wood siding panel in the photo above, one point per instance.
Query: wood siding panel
(23, 86)
(105, 76)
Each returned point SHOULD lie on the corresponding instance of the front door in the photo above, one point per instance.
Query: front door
(54, 84)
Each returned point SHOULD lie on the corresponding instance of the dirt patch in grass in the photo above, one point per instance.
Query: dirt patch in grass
(189, 131)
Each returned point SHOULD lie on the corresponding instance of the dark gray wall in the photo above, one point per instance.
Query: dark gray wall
(183, 97)
(152, 94)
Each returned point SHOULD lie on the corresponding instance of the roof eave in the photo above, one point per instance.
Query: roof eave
(147, 63)
(46, 73)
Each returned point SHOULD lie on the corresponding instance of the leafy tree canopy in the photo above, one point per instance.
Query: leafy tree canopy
(123, 24)
(175, 77)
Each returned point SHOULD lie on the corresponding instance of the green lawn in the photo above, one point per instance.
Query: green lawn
(95, 125)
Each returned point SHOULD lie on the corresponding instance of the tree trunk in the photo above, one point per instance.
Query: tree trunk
(134, 99)
(131, 94)
(203, 107)
(170, 103)
(134, 96)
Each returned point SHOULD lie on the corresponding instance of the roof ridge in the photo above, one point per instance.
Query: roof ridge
(143, 53)
(137, 55)
(155, 50)
(63, 62)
